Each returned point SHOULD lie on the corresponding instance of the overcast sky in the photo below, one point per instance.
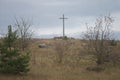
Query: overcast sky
(45, 14)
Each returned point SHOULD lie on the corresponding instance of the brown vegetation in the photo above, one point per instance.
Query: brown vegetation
(73, 67)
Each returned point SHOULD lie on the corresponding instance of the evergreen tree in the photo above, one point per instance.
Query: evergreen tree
(11, 60)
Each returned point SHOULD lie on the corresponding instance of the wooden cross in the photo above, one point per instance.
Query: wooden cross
(63, 18)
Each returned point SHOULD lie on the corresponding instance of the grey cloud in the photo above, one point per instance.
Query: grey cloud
(46, 13)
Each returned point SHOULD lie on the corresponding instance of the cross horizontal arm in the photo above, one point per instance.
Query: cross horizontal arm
(63, 18)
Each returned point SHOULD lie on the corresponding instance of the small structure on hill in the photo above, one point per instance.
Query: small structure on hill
(56, 38)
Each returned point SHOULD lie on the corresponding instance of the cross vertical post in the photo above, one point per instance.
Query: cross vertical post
(63, 18)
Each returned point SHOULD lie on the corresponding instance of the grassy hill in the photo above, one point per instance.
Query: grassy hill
(44, 65)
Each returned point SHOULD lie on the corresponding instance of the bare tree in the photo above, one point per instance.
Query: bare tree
(23, 27)
(98, 37)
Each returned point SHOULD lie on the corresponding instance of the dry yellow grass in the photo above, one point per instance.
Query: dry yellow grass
(44, 66)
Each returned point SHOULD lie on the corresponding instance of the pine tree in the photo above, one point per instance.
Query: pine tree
(11, 60)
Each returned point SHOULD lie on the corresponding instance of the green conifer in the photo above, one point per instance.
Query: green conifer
(11, 60)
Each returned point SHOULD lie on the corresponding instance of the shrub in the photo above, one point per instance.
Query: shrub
(61, 46)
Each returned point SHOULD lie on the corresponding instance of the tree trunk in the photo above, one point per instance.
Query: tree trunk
(100, 60)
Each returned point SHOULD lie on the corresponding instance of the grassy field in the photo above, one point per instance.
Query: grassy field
(44, 65)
